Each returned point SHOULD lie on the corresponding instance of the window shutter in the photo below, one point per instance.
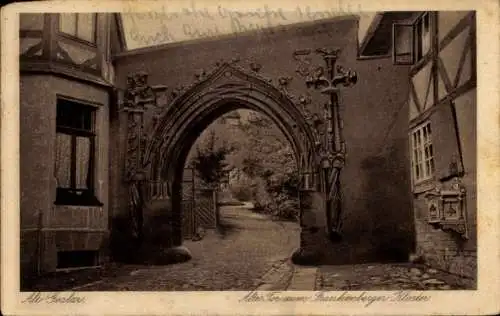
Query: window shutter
(402, 43)
(447, 155)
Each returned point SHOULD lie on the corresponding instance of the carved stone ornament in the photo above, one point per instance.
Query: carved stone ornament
(329, 141)
(201, 75)
(161, 97)
(316, 123)
(138, 93)
(235, 59)
(332, 53)
(134, 144)
(317, 79)
(345, 77)
(304, 100)
(338, 160)
(283, 83)
(304, 60)
(231, 61)
(447, 209)
(255, 67)
(176, 92)
(433, 206)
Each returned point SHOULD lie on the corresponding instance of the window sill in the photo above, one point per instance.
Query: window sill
(78, 205)
(424, 186)
(92, 201)
(78, 268)
(78, 40)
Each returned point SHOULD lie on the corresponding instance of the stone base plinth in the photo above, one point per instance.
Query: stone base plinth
(314, 243)
(148, 255)
(304, 257)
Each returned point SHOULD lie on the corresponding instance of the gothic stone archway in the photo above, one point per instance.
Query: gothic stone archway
(163, 158)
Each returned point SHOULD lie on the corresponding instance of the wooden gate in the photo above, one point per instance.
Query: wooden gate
(199, 205)
(189, 220)
(206, 208)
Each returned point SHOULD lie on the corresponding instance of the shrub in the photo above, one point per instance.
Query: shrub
(209, 160)
(261, 197)
(241, 186)
(241, 192)
(262, 162)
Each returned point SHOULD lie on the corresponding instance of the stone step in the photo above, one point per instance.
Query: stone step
(276, 279)
(303, 279)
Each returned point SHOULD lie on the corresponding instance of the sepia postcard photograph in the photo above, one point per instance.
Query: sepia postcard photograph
(249, 158)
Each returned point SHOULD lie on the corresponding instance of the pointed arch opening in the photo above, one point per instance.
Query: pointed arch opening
(225, 90)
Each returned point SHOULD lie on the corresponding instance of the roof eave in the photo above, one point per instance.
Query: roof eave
(121, 32)
(375, 39)
(370, 32)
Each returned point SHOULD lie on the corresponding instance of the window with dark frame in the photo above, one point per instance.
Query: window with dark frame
(79, 25)
(423, 36)
(74, 159)
(403, 40)
(411, 42)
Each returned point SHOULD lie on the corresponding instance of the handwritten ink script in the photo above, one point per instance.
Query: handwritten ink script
(365, 298)
(54, 298)
(194, 21)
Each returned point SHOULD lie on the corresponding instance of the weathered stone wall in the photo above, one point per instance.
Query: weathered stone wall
(38, 99)
(375, 180)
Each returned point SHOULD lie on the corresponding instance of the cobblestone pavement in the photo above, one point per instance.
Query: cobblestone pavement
(387, 277)
(249, 251)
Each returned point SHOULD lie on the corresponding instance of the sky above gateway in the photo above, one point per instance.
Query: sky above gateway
(193, 21)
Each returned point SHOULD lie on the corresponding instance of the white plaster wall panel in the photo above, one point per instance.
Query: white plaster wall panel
(429, 95)
(31, 21)
(447, 20)
(26, 43)
(465, 106)
(441, 87)
(365, 20)
(450, 55)
(422, 82)
(77, 53)
(413, 110)
(466, 71)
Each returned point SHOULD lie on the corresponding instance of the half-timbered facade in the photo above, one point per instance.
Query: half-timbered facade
(440, 49)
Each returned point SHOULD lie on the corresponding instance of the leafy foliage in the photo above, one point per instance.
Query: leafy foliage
(267, 158)
(261, 161)
(209, 160)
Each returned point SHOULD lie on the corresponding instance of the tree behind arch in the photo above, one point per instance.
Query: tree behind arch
(209, 159)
